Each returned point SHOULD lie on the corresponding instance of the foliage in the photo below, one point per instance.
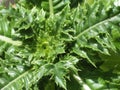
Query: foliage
(60, 45)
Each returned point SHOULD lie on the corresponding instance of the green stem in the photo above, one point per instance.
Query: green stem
(81, 82)
(9, 40)
(51, 7)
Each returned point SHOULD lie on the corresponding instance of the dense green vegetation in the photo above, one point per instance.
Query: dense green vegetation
(60, 45)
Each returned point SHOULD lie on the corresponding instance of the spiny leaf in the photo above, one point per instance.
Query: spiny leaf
(56, 46)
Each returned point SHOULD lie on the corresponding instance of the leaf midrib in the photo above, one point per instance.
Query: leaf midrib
(95, 25)
(13, 81)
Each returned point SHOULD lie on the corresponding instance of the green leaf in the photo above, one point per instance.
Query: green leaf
(60, 41)
(61, 82)
(83, 54)
(111, 62)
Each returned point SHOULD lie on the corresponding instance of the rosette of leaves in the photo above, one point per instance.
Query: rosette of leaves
(58, 48)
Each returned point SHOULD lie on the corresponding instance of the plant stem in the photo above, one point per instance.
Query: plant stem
(9, 40)
(51, 7)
